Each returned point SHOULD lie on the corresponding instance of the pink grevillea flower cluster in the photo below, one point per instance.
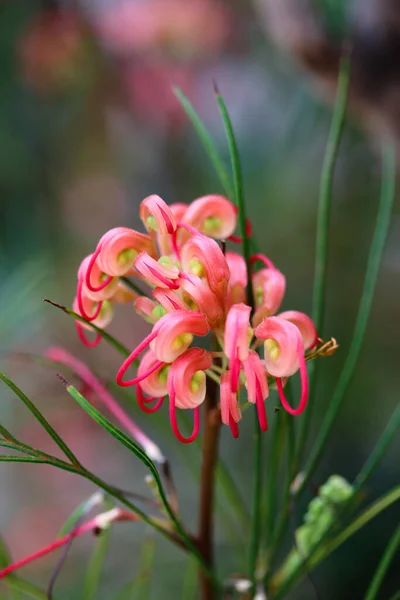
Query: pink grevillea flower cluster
(196, 289)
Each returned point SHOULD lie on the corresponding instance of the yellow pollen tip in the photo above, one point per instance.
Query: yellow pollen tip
(259, 294)
(272, 348)
(126, 256)
(197, 381)
(211, 225)
(158, 312)
(196, 267)
(151, 223)
(185, 339)
(163, 374)
(165, 261)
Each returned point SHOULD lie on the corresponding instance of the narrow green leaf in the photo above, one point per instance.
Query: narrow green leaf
(374, 261)
(79, 512)
(239, 191)
(106, 336)
(95, 567)
(323, 221)
(190, 581)
(7, 435)
(139, 587)
(5, 557)
(379, 451)
(39, 417)
(207, 142)
(370, 513)
(28, 589)
(138, 452)
(383, 566)
(323, 548)
(395, 596)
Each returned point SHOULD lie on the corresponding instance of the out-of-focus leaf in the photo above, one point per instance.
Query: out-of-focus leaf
(139, 587)
(39, 417)
(96, 563)
(109, 338)
(383, 566)
(207, 142)
(138, 452)
(28, 589)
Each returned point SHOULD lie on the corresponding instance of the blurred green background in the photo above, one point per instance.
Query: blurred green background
(88, 128)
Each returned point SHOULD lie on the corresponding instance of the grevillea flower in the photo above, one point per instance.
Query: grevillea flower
(230, 411)
(187, 387)
(269, 289)
(284, 355)
(161, 273)
(304, 324)
(238, 278)
(166, 242)
(212, 215)
(169, 299)
(236, 340)
(257, 385)
(197, 288)
(156, 215)
(146, 308)
(102, 286)
(119, 247)
(171, 336)
(203, 257)
(199, 296)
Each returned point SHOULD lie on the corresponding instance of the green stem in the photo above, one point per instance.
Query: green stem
(323, 219)
(255, 534)
(374, 261)
(383, 566)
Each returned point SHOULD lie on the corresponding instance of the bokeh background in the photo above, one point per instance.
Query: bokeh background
(89, 127)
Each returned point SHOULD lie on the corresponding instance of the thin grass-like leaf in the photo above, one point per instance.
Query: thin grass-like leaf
(40, 418)
(106, 336)
(323, 220)
(93, 575)
(383, 566)
(239, 191)
(379, 451)
(324, 547)
(371, 276)
(28, 589)
(246, 245)
(207, 142)
(138, 452)
(79, 512)
(190, 585)
(139, 587)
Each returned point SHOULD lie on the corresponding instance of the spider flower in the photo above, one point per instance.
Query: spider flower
(284, 355)
(212, 215)
(257, 385)
(187, 387)
(304, 324)
(119, 247)
(269, 289)
(236, 340)
(199, 296)
(161, 273)
(156, 215)
(203, 257)
(230, 411)
(238, 278)
(171, 336)
(102, 286)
